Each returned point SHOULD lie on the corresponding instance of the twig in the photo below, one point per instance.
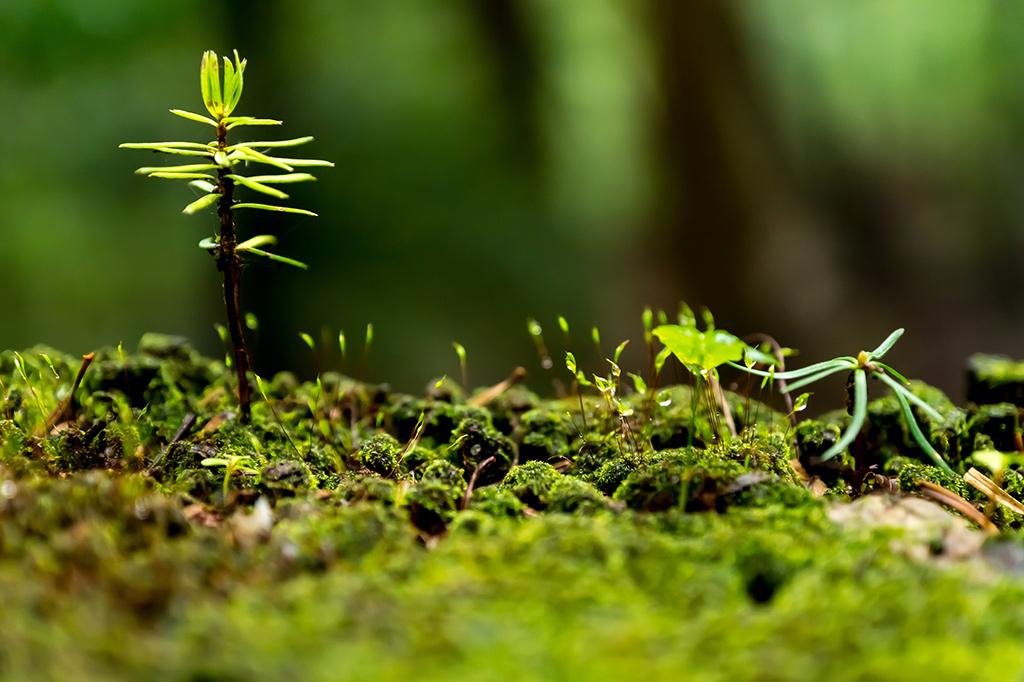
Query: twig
(989, 487)
(186, 425)
(484, 397)
(951, 499)
(472, 482)
(58, 413)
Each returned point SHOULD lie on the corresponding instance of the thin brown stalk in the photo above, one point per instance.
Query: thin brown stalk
(951, 499)
(230, 264)
(472, 482)
(484, 397)
(993, 490)
(58, 414)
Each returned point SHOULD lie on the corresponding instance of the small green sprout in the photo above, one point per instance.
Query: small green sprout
(217, 176)
(859, 367)
(233, 464)
(648, 321)
(997, 462)
(460, 350)
(701, 353)
(367, 347)
(19, 363)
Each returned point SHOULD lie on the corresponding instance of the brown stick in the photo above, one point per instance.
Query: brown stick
(990, 488)
(58, 413)
(951, 499)
(229, 263)
(484, 397)
(186, 425)
(472, 483)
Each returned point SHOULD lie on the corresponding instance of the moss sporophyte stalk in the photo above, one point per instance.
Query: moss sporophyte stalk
(217, 178)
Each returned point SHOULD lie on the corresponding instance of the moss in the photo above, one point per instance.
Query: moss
(354, 487)
(993, 426)
(447, 474)
(496, 501)
(434, 500)
(814, 437)
(474, 522)
(285, 478)
(546, 436)
(993, 379)
(672, 422)
(769, 452)
(688, 479)
(1013, 483)
(540, 486)
(475, 441)
(324, 461)
(13, 441)
(614, 471)
(179, 458)
(436, 497)
(588, 459)
(572, 496)
(326, 536)
(765, 491)
(912, 472)
(73, 450)
(384, 578)
(166, 376)
(508, 408)
(379, 454)
(887, 434)
(416, 459)
(440, 419)
(532, 483)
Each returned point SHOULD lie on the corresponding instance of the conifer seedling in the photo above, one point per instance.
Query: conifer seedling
(217, 176)
(866, 363)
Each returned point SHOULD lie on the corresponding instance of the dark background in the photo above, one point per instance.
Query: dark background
(823, 172)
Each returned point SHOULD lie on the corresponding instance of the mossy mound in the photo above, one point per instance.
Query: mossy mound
(349, 532)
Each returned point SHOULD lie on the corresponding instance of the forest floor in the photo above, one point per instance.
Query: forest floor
(351, 532)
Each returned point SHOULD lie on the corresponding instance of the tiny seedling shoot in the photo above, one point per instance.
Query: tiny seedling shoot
(701, 353)
(216, 176)
(859, 367)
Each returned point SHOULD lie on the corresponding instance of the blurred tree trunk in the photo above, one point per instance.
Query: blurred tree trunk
(720, 166)
(511, 48)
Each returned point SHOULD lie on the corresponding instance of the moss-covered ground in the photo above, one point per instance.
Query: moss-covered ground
(350, 532)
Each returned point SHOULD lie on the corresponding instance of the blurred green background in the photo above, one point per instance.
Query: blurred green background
(822, 172)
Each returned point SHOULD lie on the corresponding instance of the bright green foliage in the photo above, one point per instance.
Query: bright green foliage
(436, 498)
(540, 486)
(380, 454)
(700, 350)
(233, 464)
(219, 161)
(704, 351)
(217, 176)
